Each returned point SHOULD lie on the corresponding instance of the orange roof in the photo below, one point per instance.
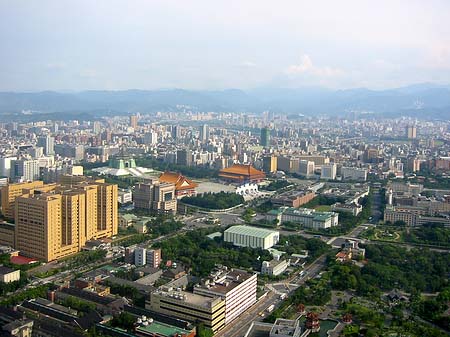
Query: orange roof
(180, 181)
(241, 169)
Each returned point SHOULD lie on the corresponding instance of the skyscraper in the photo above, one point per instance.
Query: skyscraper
(134, 121)
(204, 133)
(265, 137)
(48, 143)
(411, 132)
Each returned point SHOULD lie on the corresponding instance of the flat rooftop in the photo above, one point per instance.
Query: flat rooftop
(162, 329)
(189, 298)
(251, 231)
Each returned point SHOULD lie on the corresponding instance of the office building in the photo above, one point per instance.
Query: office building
(188, 306)
(25, 170)
(293, 198)
(310, 218)
(150, 138)
(306, 168)
(254, 237)
(5, 166)
(155, 196)
(236, 287)
(48, 144)
(354, 173)
(328, 172)
(265, 137)
(270, 164)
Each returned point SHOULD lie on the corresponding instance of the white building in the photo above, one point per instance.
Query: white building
(140, 257)
(354, 173)
(9, 275)
(5, 166)
(310, 218)
(25, 170)
(254, 237)
(236, 287)
(151, 138)
(274, 267)
(328, 172)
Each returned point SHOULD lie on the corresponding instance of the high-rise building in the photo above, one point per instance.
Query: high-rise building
(154, 257)
(270, 164)
(25, 170)
(134, 121)
(328, 172)
(265, 137)
(184, 157)
(11, 192)
(150, 138)
(176, 132)
(306, 168)
(48, 143)
(5, 166)
(411, 132)
(96, 127)
(155, 196)
(53, 221)
(204, 133)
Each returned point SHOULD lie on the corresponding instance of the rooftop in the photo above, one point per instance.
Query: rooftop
(180, 181)
(249, 230)
(241, 169)
(162, 329)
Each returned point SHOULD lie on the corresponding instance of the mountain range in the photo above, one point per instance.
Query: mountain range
(417, 100)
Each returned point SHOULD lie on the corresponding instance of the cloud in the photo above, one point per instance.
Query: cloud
(307, 67)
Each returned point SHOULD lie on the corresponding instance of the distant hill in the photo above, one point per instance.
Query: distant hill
(415, 100)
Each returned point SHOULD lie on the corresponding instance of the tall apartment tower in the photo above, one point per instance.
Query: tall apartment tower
(48, 143)
(411, 132)
(134, 121)
(204, 133)
(265, 137)
(270, 164)
(53, 220)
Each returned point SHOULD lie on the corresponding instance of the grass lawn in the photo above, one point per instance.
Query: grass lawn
(323, 208)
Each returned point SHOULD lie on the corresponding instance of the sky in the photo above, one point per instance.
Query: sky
(219, 44)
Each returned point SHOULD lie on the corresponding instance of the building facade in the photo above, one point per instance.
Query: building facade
(254, 237)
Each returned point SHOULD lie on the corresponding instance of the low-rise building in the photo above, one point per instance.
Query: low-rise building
(353, 209)
(310, 218)
(8, 275)
(236, 287)
(254, 237)
(293, 198)
(274, 267)
(189, 306)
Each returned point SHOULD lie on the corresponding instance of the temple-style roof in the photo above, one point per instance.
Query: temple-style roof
(180, 181)
(241, 170)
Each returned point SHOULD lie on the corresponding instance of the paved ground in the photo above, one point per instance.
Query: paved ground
(209, 186)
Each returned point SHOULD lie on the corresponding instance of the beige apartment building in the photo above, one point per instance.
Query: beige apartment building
(53, 221)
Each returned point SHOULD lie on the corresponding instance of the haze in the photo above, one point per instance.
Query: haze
(114, 45)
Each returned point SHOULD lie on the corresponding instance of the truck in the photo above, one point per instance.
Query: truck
(283, 296)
